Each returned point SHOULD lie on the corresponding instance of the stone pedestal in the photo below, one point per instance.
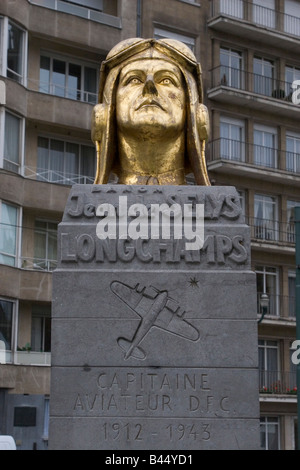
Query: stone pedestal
(153, 346)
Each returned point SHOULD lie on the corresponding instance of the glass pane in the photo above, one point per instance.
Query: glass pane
(37, 333)
(58, 77)
(43, 159)
(232, 8)
(74, 82)
(272, 437)
(47, 332)
(44, 75)
(90, 85)
(12, 139)
(71, 160)
(8, 232)
(292, 296)
(292, 17)
(264, 12)
(6, 313)
(14, 53)
(56, 160)
(87, 163)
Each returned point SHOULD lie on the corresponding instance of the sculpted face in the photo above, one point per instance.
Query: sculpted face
(151, 98)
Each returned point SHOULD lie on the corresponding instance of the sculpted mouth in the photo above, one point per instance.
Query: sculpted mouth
(150, 103)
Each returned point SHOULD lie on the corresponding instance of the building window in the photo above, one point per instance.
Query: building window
(232, 135)
(293, 153)
(267, 283)
(292, 17)
(8, 233)
(231, 68)
(290, 229)
(263, 70)
(13, 136)
(187, 40)
(265, 146)
(291, 74)
(45, 245)
(264, 13)
(292, 293)
(268, 365)
(232, 8)
(67, 79)
(265, 217)
(65, 162)
(41, 328)
(15, 53)
(6, 322)
(92, 4)
(269, 433)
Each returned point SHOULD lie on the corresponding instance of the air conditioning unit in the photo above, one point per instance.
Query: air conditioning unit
(2, 92)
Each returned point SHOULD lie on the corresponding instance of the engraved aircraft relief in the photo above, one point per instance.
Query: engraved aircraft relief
(156, 309)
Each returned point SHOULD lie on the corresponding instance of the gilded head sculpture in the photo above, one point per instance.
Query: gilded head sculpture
(150, 125)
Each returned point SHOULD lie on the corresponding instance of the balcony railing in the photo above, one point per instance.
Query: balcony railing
(260, 155)
(258, 15)
(81, 11)
(272, 230)
(52, 176)
(238, 79)
(38, 264)
(61, 91)
(283, 306)
(277, 382)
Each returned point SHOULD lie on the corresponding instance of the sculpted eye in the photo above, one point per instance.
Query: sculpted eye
(167, 81)
(134, 80)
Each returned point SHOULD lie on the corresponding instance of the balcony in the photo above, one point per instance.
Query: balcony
(26, 358)
(38, 264)
(51, 88)
(252, 160)
(280, 306)
(231, 85)
(278, 383)
(78, 10)
(58, 177)
(256, 23)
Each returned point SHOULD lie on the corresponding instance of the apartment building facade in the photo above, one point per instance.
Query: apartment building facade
(50, 54)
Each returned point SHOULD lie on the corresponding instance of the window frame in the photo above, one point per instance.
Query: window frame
(22, 80)
(18, 232)
(264, 425)
(241, 125)
(14, 324)
(232, 82)
(49, 264)
(265, 130)
(264, 62)
(65, 177)
(68, 60)
(160, 33)
(264, 272)
(296, 156)
(269, 232)
(3, 113)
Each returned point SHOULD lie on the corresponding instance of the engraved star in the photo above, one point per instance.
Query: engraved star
(193, 282)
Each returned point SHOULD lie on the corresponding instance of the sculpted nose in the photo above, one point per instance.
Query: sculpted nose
(149, 87)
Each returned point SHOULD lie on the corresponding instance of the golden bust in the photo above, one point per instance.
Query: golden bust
(150, 125)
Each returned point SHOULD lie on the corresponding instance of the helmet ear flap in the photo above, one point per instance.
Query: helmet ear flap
(98, 121)
(202, 121)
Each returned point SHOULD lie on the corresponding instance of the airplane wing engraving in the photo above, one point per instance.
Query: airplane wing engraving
(155, 308)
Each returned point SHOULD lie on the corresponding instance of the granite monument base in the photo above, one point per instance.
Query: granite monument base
(153, 346)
